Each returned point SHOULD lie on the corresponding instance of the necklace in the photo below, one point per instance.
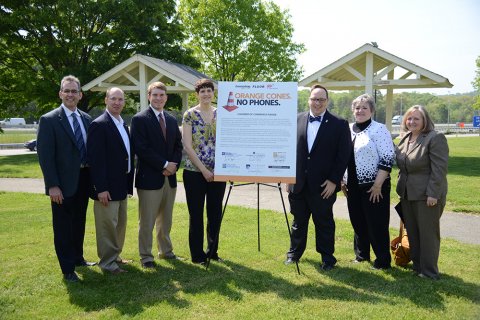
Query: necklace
(412, 140)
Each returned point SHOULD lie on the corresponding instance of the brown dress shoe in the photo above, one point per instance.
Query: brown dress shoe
(124, 261)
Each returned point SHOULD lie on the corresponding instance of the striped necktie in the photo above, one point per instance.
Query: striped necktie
(79, 138)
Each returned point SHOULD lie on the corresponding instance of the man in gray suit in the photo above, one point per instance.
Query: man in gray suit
(61, 145)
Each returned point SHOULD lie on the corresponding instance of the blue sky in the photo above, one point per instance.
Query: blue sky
(442, 36)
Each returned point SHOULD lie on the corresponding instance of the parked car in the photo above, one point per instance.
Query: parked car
(397, 119)
(31, 145)
(13, 122)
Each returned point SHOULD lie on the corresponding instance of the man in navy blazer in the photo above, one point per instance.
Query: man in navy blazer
(61, 142)
(110, 157)
(323, 151)
(157, 143)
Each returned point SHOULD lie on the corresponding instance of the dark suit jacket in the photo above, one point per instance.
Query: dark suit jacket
(423, 168)
(108, 159)
(152, 150)
(329, 156)
(57, 151)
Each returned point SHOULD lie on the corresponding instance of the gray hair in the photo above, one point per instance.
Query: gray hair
(364, 98)
(70, 78)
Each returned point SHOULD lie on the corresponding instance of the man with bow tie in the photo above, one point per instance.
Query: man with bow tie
(323, 151)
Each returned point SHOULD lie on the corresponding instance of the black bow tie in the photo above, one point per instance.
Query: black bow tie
(312, 119)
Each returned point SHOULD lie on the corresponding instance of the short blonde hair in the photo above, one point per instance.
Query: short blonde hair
(427, 121)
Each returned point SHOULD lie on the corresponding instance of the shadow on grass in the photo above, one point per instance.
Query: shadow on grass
(20, 159)
(132, 292)
(402, 283)
(465, 166)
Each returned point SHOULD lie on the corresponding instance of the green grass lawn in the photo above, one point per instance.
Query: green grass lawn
(17, 135)
(20, 166)
(250, 285)
(463, 173)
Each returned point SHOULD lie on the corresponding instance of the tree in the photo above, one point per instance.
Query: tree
(242, 40)
(476, 84)
(43, 40)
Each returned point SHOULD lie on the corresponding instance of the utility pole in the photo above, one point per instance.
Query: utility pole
(401, 104)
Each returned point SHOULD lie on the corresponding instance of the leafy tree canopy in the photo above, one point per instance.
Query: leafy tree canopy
(242, 40)
(43, 40)
(442, 109)
(476, 84)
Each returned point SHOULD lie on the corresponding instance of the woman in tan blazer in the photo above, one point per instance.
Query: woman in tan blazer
(422, 157)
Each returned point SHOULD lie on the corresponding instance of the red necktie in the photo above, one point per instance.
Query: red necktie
(162, 125)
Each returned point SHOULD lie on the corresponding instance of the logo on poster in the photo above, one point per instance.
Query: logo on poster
(230, 105)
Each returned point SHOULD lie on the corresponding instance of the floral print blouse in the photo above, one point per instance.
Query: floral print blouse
(203, 138)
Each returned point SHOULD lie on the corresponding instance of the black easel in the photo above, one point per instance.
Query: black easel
(232, 184)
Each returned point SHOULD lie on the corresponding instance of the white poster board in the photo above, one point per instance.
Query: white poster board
(256, 132)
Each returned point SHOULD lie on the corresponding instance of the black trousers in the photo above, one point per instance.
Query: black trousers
(302, 206)
(197, 189)
(370, 223)
(69, 225)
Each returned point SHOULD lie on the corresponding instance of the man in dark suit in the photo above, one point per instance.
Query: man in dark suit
(323, 151)
(61, 148)
(158, 146)
(110, 157)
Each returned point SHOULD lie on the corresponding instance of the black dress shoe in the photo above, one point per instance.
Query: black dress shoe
(359, 260)
(85, 264)
(290, 261)
(327, 266)
(148, 265)
(71, 277)
(377, 267)
(218, 259)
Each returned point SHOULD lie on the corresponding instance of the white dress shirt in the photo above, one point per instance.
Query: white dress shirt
(123, 133)
(312, 130)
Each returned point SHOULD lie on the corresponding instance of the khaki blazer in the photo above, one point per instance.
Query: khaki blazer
(423, 167)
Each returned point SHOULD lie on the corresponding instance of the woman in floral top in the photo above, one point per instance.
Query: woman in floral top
(199, 124)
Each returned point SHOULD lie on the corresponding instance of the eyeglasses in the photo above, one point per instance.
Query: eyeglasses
(322, 100)
(67, 91)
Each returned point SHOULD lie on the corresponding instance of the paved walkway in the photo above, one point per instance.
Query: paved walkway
(462, 227)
